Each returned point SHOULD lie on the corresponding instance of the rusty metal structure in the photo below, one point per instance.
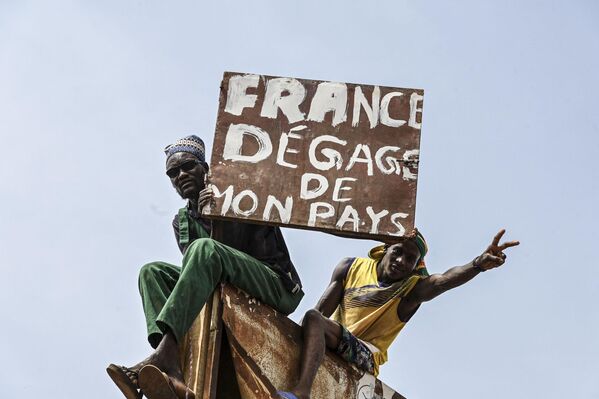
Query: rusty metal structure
(239, 348)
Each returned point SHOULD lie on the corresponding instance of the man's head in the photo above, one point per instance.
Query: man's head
(401, 259)
(186, 166)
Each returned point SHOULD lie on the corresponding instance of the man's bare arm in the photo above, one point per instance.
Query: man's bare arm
(437, 284)
(332, 295)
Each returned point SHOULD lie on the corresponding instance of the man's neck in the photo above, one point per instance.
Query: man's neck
(382, 278)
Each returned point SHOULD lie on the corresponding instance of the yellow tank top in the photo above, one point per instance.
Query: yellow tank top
(369, 310)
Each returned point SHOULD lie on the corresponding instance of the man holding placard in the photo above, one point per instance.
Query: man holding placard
(249, 256)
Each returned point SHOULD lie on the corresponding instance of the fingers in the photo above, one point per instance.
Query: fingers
(206, 193)
(498, 237)
(508, 245)
(205, 197)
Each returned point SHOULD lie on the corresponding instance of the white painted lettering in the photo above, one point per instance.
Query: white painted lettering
(237, 98)
(371, 111)
(349, 215)
(234, 143)
(329, 96)
(330, 211)
(339, 187)
(385, 117)
(237, 202)
(376, 218)
(400, 229)
(356, 158)
(284, 142)
(306, 193)
(414, 98)
(289, 103)
(284, 211)
(392, 164)
(410, 156)
(228, 193)
(333, 156)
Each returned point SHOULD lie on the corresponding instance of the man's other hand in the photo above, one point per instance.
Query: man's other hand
(494, 256)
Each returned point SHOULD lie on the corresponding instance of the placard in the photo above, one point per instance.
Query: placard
(329, 156)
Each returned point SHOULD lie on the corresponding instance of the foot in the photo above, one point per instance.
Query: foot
(165, 359)
(125, 379)
(165, 362)
(156, 384)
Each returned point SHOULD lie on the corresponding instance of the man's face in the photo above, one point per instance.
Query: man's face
(399, 261)
(186, 173)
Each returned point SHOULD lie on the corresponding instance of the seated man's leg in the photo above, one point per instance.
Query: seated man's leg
(156, 282)
(207, 263)
(319, 332)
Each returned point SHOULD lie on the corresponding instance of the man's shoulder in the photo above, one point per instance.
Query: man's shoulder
(363, 261)
(342, 269)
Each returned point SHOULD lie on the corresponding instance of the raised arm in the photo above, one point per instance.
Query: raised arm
(437, 284)
(332, 295)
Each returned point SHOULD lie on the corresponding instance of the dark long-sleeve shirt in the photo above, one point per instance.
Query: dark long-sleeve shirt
(262, 242)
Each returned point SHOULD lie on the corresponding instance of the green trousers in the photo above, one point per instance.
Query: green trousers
(173, 296)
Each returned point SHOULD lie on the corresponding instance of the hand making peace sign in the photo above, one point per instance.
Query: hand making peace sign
(494, 256)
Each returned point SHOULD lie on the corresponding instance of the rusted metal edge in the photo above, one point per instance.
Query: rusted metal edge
(248, 362)
(194, 350)
(213, 345)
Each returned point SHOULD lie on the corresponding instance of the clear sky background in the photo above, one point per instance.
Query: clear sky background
(91, 92)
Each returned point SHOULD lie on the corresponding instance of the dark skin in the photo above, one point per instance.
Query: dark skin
(190, 184)
(189, 181)
(399, 261)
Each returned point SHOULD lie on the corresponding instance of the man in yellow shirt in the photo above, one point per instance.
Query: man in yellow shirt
(371, 299)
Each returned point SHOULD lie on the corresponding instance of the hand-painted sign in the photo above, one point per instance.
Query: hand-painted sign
(328, 156)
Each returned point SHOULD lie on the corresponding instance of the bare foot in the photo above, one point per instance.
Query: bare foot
(165, 358)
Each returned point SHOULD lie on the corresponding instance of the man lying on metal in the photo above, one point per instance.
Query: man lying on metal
(373, 298)
(251, 257)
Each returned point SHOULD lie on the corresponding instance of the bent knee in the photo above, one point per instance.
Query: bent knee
(150, 270)
(312, 316)
(201, 244)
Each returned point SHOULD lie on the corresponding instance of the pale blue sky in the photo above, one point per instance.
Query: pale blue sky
(91, 92)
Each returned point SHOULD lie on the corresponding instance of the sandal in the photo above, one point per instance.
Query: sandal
(125, 379)
(158, 385)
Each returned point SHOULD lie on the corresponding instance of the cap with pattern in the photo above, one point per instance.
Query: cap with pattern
(191, 144)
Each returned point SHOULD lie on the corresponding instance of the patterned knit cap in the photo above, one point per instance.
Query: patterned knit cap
(191, 144)
(417, 238)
